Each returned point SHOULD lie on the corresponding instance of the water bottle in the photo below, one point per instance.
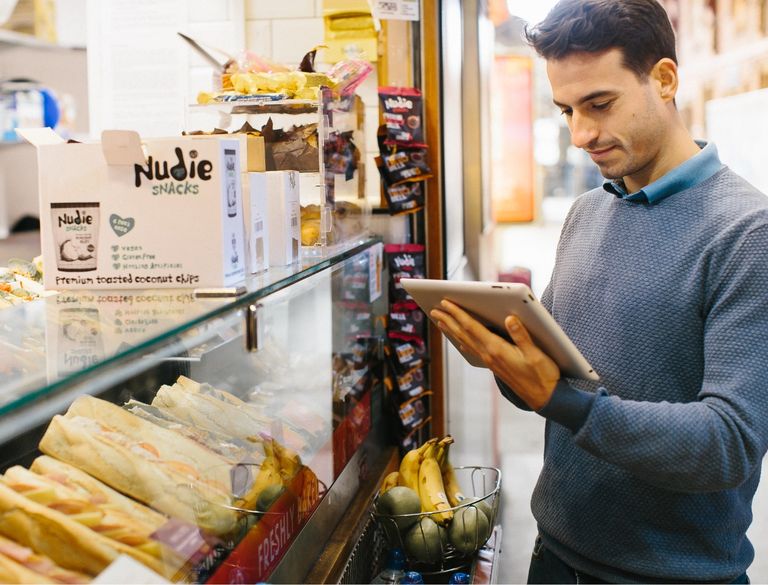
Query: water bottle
(394, 568)
(412, 577)
(459, 577)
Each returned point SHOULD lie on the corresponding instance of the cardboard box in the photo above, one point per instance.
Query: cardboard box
(127, 213)
(258, 227)
(257, 156)
(281, 190)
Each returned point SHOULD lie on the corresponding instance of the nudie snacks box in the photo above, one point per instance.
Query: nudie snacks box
(132, 213)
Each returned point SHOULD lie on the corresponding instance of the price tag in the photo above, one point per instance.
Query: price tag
(125, 569)
(375, 266)
(397, 9)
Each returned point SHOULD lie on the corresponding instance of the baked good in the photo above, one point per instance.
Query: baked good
(97, 491)
(19, 564)
(129, 535)
(154, 465)
(67, 543)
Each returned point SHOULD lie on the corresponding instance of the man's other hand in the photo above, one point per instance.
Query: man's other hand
(522, 366)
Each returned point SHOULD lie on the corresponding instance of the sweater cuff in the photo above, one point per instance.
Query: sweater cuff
(507, 393)
(568, 406)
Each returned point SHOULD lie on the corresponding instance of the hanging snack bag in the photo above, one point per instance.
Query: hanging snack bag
(406, 322)
(405, 164)
(401, 163)
(405, 355)
(404, 261)
(411, 383)
(402, 198)
(413, 411)
(402, 112)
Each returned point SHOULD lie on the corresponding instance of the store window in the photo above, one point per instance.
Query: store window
(543, 173)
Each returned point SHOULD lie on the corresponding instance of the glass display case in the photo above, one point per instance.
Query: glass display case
(243, 426)
(323, 139)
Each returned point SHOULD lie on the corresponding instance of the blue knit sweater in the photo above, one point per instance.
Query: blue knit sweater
(649, 474)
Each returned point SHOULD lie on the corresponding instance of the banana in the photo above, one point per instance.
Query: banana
(289, 460)
(451, 484)
(390, 481)
(269, 474)
(409, 466)
(442, 449)
(431, 490)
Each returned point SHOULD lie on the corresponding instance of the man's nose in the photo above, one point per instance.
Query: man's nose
(584, 130)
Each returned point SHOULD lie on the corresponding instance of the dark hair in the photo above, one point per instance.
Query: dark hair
(639, 28)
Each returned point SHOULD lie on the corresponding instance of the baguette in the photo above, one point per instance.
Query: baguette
(123, 533)
(98, 492)
(168, 446)
(37, 564)
(13, 572)
(130, 468)
(48, 532)
(210, 413)
(230, 448)
(218, 411)
(114, 524)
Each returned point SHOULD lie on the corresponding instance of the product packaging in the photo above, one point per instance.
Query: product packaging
(402, 111)
(132, 213)
(404, 261)
(281, 191)
(258, 227)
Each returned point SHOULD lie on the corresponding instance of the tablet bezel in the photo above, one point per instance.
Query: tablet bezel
(491, 303)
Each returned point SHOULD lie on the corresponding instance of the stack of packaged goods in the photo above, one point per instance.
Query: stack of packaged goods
(405, 349)
(402, 160)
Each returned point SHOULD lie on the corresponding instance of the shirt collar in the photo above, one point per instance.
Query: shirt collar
(696, 169)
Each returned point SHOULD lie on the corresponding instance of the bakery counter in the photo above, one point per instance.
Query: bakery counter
(206, 439)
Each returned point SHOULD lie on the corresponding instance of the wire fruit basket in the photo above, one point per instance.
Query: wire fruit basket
(435, 544)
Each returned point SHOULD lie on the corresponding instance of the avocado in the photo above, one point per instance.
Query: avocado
(469, 530)
(397, 501)
(424, 541)
(484, 505)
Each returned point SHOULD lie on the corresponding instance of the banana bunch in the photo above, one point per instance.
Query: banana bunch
(427, 471)
(280, 465)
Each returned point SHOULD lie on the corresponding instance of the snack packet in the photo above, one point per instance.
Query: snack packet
(404, 261)
(402, 112)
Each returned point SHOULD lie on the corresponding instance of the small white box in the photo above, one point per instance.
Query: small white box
(283, 214)
(258, 228)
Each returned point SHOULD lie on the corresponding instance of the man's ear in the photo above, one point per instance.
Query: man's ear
(664, 75)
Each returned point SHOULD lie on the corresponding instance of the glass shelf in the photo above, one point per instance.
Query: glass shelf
(256, 106)
(71, 337)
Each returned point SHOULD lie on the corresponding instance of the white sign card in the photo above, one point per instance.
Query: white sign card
(397, 9)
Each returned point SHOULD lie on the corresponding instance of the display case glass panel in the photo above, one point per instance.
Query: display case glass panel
(231, 420)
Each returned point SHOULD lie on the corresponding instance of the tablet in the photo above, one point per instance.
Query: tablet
(491, 303)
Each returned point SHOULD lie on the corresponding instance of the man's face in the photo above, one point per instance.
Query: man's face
(618, 119)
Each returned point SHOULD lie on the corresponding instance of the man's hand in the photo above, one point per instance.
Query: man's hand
(527, 370)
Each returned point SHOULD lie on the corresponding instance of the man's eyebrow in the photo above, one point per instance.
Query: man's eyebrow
(588, 97)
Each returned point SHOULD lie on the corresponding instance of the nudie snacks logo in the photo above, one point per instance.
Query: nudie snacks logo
(78, 218)
(176, 179)
(399, 103)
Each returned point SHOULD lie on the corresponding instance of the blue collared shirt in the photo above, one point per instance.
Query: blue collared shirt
(696, 169)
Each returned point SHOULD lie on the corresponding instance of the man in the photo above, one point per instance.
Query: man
(661, 280)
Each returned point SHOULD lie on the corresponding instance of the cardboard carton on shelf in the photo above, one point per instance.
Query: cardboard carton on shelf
(131, 213)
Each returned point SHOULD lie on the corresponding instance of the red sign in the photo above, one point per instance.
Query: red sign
(262, 548)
